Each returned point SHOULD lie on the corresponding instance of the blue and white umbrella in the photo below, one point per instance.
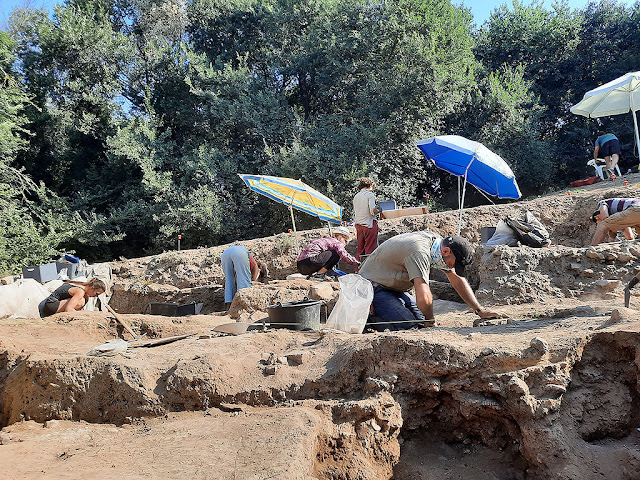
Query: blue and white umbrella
(473, 162)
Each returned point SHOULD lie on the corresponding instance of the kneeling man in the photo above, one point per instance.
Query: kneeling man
(616, 214)
(403, 262)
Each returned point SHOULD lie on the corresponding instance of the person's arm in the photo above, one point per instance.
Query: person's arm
(463, 288)
(344, 255)
(76, 300)
(255, 273)
(595, 152)
(254, 267)
(604, 210)
(600, 233)
(372, 205)
(424, 298)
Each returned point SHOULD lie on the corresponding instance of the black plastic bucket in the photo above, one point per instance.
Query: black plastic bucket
(298, 315)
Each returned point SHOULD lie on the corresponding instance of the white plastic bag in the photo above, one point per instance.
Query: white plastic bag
(352, 308)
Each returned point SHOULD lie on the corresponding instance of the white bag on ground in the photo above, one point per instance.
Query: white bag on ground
(352, 308)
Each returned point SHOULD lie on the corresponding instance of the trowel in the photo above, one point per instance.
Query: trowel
(235, 328)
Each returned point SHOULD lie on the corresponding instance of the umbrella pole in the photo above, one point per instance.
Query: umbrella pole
(329, 225)
(464, 189)
(635, 123)
(293, 220)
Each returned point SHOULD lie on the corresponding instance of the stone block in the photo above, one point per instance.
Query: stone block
(322, 291)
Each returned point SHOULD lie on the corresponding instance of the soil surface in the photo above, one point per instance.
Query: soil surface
(550, 392)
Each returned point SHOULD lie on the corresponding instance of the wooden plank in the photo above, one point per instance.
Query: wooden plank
(162, 341)
(122, 322)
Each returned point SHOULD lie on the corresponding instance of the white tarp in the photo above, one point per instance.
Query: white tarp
(21, 298)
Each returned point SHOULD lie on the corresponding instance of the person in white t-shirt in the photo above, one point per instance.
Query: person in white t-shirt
(364, 211)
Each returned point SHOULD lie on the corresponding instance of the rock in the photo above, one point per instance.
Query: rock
(51, 424)
(576, 266)
(625, 257)
(555, 390)
(608, 285)
(376, 385)
(270, 369)
(322, 291)
(540, 345)
(296, 276)
(282, 361)
(260, 297)
(518, 386)
(615, 316)
(230, 407)
(297, 358)
(4, 439)
(594, 254)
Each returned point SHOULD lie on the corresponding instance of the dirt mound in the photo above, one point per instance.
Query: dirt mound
(551, 392)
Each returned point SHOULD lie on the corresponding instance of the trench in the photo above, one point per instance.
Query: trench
(443, 443)
(440, 437)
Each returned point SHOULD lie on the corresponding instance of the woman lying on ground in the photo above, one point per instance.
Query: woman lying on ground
(72, 296)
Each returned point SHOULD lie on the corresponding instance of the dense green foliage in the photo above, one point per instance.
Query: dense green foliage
(124, 123)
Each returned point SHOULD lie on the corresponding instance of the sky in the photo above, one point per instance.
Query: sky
(480, 8)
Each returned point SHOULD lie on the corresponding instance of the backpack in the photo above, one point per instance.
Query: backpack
(528, 234)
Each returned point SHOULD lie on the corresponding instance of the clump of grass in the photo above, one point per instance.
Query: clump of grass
(210, 258)
(284, 243)
(141, 286)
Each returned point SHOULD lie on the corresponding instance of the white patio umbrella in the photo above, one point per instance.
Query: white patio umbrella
(614, 98)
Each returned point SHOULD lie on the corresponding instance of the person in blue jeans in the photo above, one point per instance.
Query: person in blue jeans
(240, 269)
(404, 262)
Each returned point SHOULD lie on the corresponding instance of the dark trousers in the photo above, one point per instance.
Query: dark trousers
(327, 259)
(391, 306)
(367, 239)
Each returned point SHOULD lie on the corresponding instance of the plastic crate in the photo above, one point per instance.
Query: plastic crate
(41, 273)
(72, 269)
(170, 309)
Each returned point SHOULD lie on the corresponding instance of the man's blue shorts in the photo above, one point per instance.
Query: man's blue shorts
(609, 148)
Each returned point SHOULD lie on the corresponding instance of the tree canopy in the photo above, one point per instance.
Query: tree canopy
(124, 123)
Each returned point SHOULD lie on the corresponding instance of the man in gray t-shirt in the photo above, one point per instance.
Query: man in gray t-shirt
(405, 261)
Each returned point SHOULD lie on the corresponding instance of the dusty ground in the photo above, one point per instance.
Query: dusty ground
(550, 393)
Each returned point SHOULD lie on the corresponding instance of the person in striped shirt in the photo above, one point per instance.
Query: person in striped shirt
(614, 214)
(320, 256)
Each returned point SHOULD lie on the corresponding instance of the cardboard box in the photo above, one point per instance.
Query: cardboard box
(403, 212)
(41, 273)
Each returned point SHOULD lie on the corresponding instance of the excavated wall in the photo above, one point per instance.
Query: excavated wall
(547, 406)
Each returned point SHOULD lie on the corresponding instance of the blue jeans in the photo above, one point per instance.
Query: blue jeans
(393, 306)
(237, 274)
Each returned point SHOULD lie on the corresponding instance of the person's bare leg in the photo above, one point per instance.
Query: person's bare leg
(614, 160)
(628, 233)
(322, 270)
(607, 161)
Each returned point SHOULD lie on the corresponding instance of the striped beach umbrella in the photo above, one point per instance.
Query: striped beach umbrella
(295, 194)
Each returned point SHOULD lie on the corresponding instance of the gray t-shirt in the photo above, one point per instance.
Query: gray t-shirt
(401, 259)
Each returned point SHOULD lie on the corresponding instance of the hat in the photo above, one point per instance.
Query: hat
(342, 231)
(462, 250)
